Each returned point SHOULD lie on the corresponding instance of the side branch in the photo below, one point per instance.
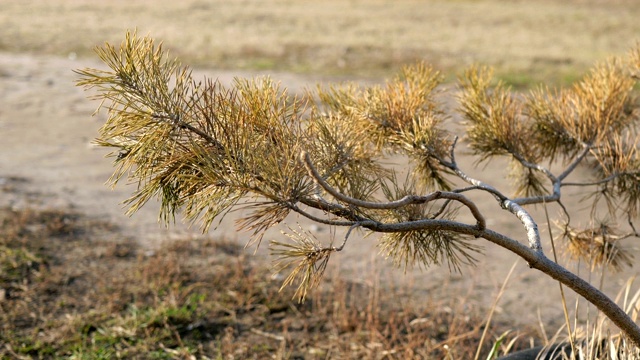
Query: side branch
(407, 200)
(575, 162)
(513, 206)
(536, 167)
(556, 181)
(476, 184)
(179, 123)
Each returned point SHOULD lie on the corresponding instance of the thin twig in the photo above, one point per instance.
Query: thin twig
(468, 188)
(555, 182)
(536, 167)
(332, 208)
(635, 232)
(566, 211)
(175, 120)
(441, 210)
(593, 183)
(321, 220)
(575, 162)
(453, 166)
(346, 237)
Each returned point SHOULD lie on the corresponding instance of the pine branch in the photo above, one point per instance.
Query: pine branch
(207, 149)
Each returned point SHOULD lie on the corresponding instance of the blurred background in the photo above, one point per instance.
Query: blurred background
(526, 41)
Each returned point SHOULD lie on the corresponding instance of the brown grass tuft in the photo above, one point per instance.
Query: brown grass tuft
(72, 288)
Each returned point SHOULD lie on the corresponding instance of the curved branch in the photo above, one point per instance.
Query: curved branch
(175, 120)
(555, 181)
(565, 210)
(407, 200)
(333, 209)
(555, 196)
(346, 236)
(441, 210)
(630, 221)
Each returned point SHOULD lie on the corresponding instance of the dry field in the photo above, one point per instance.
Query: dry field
(527, 41)
(72, 287)
(80, 279)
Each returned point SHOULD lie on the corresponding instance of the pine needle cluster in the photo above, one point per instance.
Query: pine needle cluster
(403, 116)
(424, 248)
(307, 257)
(599, 245)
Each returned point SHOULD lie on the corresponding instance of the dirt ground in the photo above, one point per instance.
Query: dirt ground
(46, 132)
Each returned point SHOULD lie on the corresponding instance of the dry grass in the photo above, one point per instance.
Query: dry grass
(526, 41)
(72, 288)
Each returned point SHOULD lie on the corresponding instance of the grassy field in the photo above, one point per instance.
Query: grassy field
(527, 42)
(73, 288)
